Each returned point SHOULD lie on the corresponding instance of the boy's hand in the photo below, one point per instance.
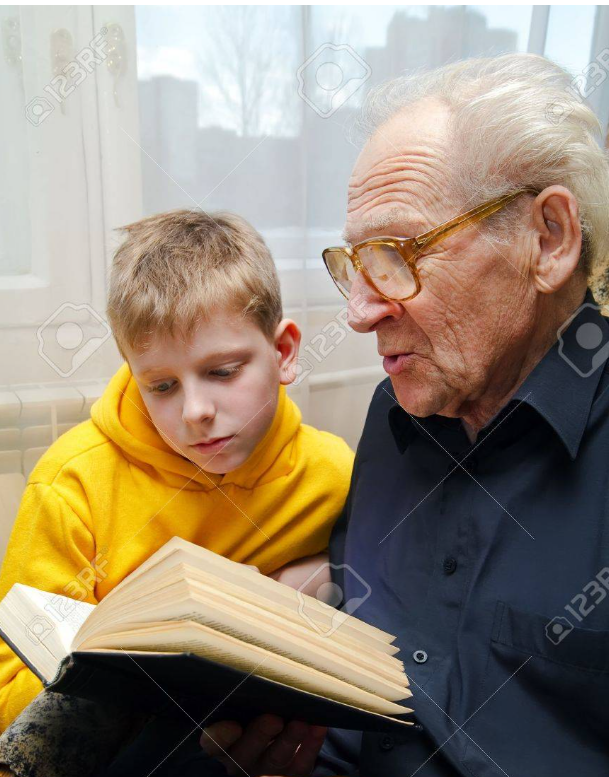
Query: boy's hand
(267, 746)
(310, 574)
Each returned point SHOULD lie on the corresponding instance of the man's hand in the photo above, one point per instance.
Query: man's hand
(267, 746)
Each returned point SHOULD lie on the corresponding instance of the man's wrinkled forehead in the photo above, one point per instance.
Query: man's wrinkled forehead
(398, 185)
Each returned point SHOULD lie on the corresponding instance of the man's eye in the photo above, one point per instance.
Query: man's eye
(162, 388)
(225, 372)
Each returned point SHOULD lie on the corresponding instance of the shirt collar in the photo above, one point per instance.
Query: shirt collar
(561, 387)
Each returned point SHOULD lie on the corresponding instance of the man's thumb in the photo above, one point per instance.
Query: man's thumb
(217, 738)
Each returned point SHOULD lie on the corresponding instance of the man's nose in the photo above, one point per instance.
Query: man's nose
(366, 308)
(197, 407)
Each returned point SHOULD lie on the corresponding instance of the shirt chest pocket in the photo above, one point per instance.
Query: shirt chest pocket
(543, 705)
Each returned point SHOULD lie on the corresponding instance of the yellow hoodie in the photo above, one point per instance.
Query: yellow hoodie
(110, 492)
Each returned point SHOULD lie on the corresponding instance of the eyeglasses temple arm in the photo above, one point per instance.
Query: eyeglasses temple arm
(466, 219)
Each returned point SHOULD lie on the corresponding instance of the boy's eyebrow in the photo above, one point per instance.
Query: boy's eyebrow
(211, 357)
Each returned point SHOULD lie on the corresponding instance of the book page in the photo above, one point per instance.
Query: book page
(67, 614)
(319, 617)
(41, 625)
(248, 623)
(184, 580)
(223, 648)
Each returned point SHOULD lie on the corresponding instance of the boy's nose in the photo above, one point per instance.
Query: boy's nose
(197, 408)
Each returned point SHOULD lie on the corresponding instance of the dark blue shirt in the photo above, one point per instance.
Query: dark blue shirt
(490, 562)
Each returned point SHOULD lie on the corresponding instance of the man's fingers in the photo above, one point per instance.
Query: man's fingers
(219, 737)
(255, 739)
(281, 752)
(266, 746)
(304, 760)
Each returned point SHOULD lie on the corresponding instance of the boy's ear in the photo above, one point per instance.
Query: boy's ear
(287, 343)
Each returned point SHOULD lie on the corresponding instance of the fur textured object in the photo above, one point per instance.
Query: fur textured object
(64, 736)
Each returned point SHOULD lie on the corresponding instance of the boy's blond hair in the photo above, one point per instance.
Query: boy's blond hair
(175, 268)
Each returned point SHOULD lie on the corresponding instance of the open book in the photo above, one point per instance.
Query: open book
(227, 624)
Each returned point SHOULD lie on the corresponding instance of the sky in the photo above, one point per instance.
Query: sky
(174, 40)
(167, 35)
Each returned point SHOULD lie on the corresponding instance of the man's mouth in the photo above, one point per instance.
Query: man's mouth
(395, 363)
(213, 445)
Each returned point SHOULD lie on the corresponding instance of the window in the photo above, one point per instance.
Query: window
(223, 124)
(241, 108)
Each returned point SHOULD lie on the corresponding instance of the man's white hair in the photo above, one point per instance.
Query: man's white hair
(514, 122)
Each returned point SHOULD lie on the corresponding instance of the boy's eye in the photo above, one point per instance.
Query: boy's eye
(162, 388)
(225, 372)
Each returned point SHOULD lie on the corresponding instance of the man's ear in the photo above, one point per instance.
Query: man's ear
(287, 343)
(558, 238)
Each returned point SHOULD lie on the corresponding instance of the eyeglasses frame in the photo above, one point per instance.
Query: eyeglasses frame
(410, 248)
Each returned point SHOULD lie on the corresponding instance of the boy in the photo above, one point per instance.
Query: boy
(194, 436)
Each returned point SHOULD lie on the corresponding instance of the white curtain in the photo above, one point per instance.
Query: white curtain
(247, 109)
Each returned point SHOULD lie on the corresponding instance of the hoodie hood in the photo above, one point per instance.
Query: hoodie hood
(122, 416)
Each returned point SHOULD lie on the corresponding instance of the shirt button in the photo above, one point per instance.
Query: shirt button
(420, 656)
(449, 565)
(470, 464)
(386, 743)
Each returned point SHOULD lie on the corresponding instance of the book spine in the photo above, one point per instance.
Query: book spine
(66, 664)
(25, 660)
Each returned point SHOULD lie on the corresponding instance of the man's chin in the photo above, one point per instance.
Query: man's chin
(416, 400)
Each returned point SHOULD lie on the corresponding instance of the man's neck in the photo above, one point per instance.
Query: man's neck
(472, 434)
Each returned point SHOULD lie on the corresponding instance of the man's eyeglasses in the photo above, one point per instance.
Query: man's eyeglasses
(389, 263)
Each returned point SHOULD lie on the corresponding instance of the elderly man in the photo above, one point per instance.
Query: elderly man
(478, 509)
(481, 476)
